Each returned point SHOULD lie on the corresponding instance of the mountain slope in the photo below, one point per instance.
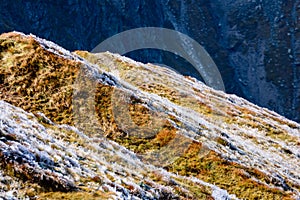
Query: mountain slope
(104, 125)
(255, 44)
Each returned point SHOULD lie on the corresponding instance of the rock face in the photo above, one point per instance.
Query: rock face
(101, 126)
(255, 44)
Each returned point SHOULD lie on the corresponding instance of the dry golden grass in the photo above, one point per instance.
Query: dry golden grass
(227, 175)
(39, 81)
(98, 195)
(35, 79)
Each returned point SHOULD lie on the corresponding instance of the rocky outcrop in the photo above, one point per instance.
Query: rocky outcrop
(254, 43)
(83, 125)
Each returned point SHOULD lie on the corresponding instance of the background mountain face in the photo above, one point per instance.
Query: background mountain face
(255, 44)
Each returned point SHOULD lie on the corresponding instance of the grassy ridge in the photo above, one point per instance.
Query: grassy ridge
(40, 81)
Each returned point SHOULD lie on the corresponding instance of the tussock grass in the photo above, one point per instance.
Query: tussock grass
(40, 81)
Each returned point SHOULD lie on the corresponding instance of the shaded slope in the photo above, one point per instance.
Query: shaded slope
(169, 121)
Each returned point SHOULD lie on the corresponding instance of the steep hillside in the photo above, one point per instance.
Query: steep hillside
(254, 43)
(82, 125)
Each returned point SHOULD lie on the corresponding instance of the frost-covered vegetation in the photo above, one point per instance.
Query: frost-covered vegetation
(86, 126)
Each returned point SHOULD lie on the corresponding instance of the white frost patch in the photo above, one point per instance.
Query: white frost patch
(219, 194)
